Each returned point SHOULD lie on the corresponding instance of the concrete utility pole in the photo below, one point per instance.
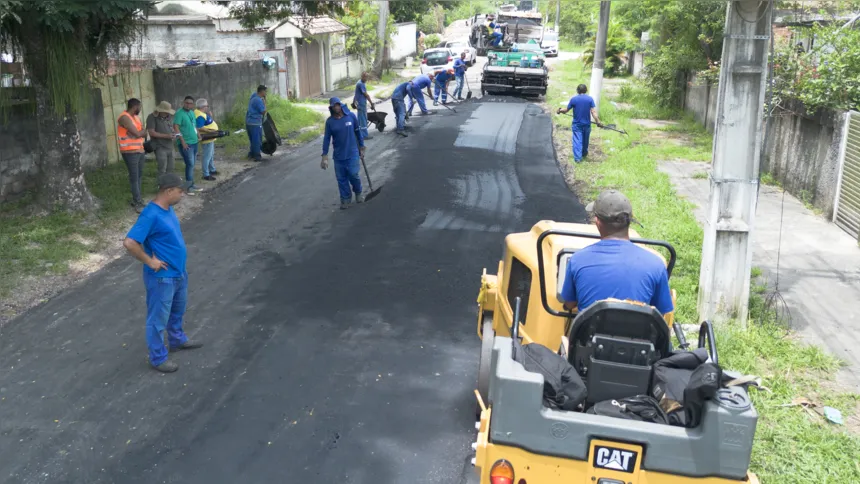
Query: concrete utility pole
(599, 54)
(557, 14)
(724, 280)
(382, 38)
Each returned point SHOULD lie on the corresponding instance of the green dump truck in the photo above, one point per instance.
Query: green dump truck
(519, 69)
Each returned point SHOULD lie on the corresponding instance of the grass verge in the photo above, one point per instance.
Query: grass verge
(793, 444)
(569, 46)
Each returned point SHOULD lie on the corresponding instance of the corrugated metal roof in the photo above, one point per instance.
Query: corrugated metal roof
(320, 25)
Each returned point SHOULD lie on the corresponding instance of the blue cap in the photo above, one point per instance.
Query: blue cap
(333, 101)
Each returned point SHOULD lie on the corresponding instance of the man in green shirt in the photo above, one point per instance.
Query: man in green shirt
(185, 124)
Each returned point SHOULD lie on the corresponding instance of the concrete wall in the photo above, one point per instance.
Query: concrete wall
(19, 145)
(802, 153)
(801, 149)
(220, 84)
(170, 43)
(403, 42)
(345, 69)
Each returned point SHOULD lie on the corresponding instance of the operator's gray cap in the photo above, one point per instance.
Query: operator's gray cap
(611, 206)
(171, 180)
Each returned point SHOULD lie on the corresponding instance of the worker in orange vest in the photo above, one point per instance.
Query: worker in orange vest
(131, 137)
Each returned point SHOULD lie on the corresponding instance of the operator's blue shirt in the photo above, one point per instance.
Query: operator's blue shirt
(400, 91)
(256, 108)
(618, 269)
(459, 67)
(360, 92)
(157, 230)
(581, 105)
(345, 135)
(443, 77)
(421, 82)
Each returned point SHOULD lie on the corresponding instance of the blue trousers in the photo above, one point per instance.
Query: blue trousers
(166, 298)
(255, 137)
(207, 151)
(362, 120)
(581, 133)
(399, 113)
(189, 156)
(458, 89)
(347, 176)
(417, 97)
(439, 88)
(497, 39)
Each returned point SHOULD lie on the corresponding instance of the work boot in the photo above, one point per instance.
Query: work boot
(344, 204)
(188, 345)
(428, 113)
(167, 367)
(402, 133)
(436, 103)
(359, 197)
(368, 137)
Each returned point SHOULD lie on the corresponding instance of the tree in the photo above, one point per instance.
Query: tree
(409, 10)
(254, 14)
(65, 44)
(362, 19)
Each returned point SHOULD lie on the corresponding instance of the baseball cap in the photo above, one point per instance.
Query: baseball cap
(171, 180)
(611, 206)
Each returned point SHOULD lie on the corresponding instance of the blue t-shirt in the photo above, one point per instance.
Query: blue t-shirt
(345, 135)
(581, 105)
(443, 77)
(459, 67)
(360, 91)
(157, 230)
(400, 91)
(256, 108)
(421, 82)
(618, 269)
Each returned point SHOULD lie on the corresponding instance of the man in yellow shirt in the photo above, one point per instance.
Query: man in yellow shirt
(206, 125)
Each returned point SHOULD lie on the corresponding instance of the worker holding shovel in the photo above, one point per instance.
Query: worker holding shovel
(343, 129)
(583, 109)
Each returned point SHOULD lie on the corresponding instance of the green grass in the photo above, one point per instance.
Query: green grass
(791, 445)
(289, 118)
(565, 45)
(32, 245)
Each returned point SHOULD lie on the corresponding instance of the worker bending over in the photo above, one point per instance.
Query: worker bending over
(440, 86)
(398, 101)
(422, 81)
(615, 267)
(343, 129)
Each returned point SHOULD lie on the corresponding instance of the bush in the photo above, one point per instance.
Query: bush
(618, 43)
(432, 41)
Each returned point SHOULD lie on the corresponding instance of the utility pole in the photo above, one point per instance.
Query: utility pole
(599, 54)
(381, 30)
(557, 14)
(724, 280)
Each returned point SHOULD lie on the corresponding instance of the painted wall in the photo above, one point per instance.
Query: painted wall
(346, 69)
(171, 43)
(403, 42)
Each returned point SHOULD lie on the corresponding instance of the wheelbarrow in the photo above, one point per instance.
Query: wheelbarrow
(377, 118)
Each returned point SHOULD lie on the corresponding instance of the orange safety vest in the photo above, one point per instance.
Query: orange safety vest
(127, 142)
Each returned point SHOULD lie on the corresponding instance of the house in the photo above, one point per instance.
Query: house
(301, 45)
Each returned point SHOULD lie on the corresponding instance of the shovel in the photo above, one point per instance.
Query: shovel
(611, 127)
(372, 192)
(468, 94)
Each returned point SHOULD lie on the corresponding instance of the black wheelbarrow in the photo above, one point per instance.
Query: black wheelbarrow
(378, 119)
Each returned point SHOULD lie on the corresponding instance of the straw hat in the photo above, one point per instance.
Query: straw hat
(164, 107)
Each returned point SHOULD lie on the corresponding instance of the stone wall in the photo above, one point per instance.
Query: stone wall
(220, 84)
(19, 144)
(801, 149)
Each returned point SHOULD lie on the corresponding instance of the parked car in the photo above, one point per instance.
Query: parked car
(436, 59)
(458, 47)
(549, 44)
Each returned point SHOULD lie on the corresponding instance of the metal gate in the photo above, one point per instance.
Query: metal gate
(308, 53)
(846, 213)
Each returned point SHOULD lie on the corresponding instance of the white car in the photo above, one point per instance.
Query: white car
(549, 44)
(458, 47)
(437, 59)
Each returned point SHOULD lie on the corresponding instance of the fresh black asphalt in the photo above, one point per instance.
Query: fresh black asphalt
(341, 346)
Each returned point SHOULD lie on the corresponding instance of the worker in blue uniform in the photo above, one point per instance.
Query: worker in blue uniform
(440, 85)
(343, 130)
(460, 75)
(583, 109)
(420, 82)
(398, 101)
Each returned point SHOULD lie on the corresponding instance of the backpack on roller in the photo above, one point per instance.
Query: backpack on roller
(639, 407)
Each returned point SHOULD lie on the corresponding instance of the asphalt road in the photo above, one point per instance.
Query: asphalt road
(340, 345)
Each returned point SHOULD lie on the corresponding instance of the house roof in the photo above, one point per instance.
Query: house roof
(179, 19)
(319, 25)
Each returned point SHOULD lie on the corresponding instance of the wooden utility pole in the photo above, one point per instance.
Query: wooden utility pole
(724, 279)
(599, 54)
